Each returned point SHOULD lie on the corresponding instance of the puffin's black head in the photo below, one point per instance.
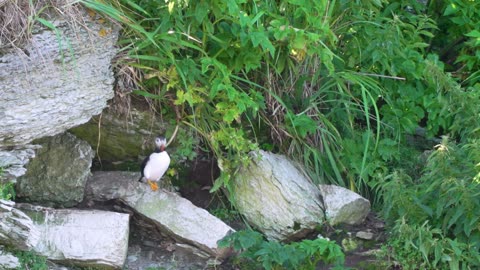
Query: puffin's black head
(160, 143)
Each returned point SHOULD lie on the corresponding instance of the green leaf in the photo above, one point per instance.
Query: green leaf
(201, 11)
(232, 7)
(260, 38)
(219, 182)
(473, 33)
(302, 124)
(458, 213)
(46, 23)
(451, 9)
(424, 207)
(299, 42)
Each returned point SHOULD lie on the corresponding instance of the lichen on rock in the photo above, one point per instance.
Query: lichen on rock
(277, 198)
(58, 174)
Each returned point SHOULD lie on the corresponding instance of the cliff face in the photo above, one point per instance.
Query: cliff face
(59, 80)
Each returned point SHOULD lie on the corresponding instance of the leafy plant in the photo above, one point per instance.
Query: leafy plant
(224, 213)
(7, 190)
(457, 39)
(31, 261)
(440, 210)
(423, 247)
(274, 255)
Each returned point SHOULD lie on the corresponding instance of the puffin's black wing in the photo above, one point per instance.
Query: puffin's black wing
(144, 163)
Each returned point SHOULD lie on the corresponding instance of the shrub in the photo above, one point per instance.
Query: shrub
(274, 255)
(436, 216)
(31, 261)
(7, 190)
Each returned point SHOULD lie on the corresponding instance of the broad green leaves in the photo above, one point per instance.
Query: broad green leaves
(274, 255)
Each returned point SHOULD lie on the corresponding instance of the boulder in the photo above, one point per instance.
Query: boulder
(8, 260)
(172, 214)
(277, 198)
(59, 80)
(16, 229)
(13, 161)
(343, 206)
(58, 174)
(86, 238)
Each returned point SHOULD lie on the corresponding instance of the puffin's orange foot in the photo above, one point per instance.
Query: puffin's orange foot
(153, 185)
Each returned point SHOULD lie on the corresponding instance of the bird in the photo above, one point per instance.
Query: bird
(156, 164)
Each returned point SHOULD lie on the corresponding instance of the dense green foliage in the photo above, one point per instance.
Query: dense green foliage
(7, 190)
(437, 215)
(31, 261)
(274, 255)
(337, 85)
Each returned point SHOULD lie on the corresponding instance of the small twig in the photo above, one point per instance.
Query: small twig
(173, 135)
(98, 139)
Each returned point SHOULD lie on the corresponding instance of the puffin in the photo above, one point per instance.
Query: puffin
(156, 164)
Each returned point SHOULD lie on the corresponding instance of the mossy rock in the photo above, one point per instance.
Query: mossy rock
(56, 177)
(123, 141)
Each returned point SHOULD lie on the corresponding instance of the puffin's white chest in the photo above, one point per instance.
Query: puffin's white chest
(156, 166)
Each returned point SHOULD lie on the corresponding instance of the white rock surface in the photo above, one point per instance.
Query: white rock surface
(8, 260)
(89, 238)
(16, 229)
(343, 205)
(172, 214)
(14, 161)
(364, 235)
(277, 198)
(53, 85)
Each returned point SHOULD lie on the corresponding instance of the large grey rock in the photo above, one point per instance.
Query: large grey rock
(87, 238)
(14, 161)
(277, 198)
(16, 229)
(344, 206)
(8, 260)
(57, 176)
(172, 214)
(59, 80)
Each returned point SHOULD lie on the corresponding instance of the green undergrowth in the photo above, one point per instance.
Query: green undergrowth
(256, 252)
(341, 87)
(31, 261)
(7, 191)
(435, 218)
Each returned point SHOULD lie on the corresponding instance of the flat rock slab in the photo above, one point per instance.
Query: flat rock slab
(174, 215)
(343, 205)
(277, 198)
(87, 238)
